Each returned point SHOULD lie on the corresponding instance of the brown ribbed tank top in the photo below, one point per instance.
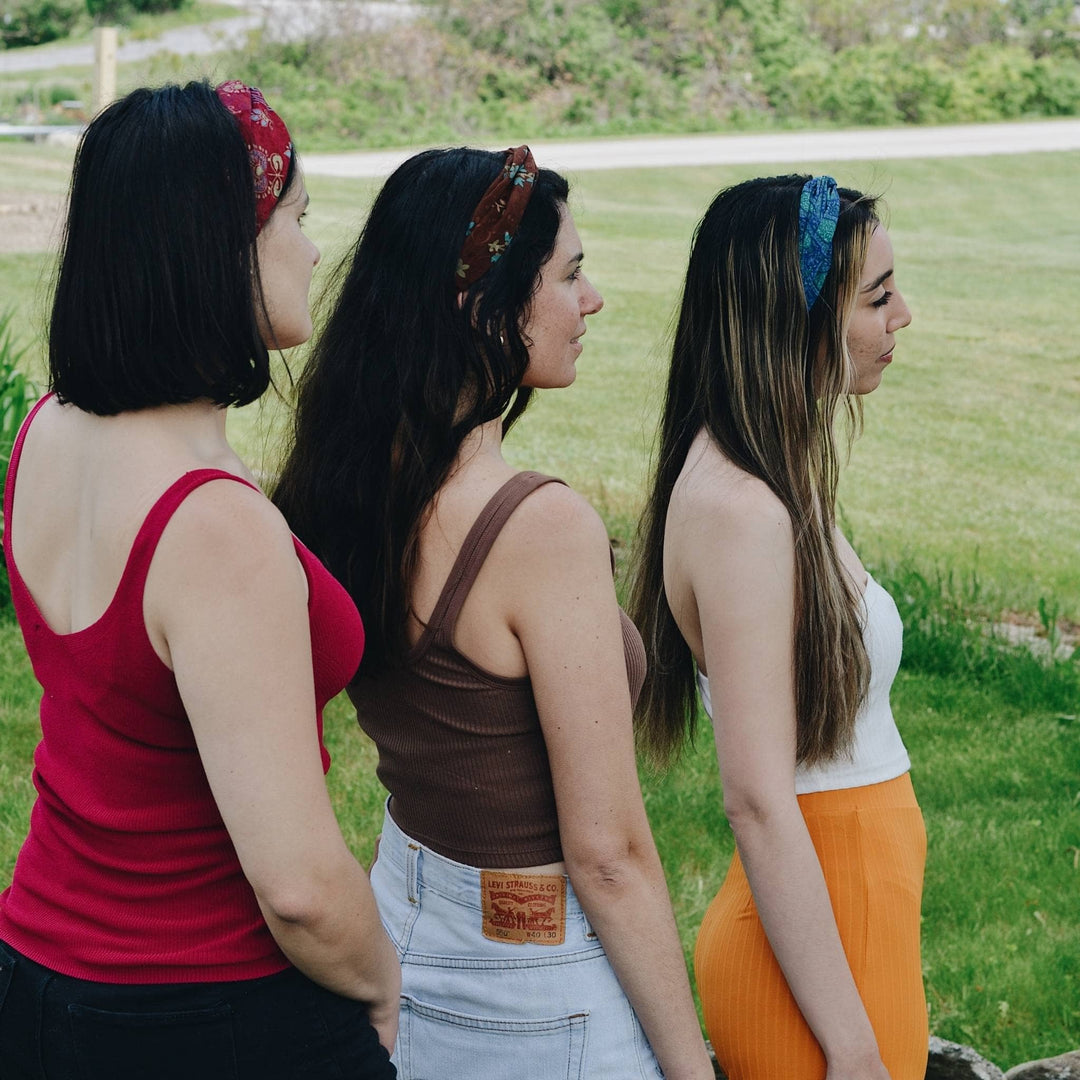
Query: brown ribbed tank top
(461, 750)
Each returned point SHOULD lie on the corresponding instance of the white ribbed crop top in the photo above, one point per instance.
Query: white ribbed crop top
(878, 753)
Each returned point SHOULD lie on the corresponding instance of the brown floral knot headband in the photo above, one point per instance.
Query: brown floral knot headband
(497, 217)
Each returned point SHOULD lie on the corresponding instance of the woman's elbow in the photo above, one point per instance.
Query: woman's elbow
(606, 868)
(298, 897)
(748, 811)
(294, 905)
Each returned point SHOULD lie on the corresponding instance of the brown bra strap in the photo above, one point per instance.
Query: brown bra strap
(477, 544)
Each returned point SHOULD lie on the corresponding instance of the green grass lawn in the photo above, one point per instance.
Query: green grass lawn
(968, 466)
(971, 449)
(999, 787)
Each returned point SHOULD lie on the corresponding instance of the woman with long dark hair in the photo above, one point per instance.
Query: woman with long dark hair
(516, 872)
(184, 905)
(745, 589)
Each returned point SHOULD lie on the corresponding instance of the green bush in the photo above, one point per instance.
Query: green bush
(952, 630)
(17, 396)
(34, 22)
(894, 82)
(488, 69)
(121, 10)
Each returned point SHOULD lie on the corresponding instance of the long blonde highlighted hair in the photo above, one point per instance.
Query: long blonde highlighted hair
(766, 379)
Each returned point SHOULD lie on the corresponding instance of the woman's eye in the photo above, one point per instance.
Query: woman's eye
(883, 300)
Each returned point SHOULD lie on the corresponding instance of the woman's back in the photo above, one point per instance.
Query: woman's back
(460, 745)
(460, 742)
(482, 628)
(85, 486)
(124, 816)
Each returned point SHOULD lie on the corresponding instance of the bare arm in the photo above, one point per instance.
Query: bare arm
(227, 597)
(567, 620)
(739, 556)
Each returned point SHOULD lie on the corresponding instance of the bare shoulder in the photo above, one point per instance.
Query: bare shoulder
(716, 502)
(730, 550)
(551, 525)
(228, 525)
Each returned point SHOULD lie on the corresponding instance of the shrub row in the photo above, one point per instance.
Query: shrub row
(487, 69)
(34, 22)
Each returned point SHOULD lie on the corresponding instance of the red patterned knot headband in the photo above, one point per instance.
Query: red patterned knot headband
(496, 218)
(267, 140)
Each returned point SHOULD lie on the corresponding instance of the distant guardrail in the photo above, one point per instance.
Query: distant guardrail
(38, 132)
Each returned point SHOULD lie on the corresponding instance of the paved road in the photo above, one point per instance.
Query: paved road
(870, 144)
(284, 20)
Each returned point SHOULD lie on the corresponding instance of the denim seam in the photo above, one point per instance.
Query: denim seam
(412, 894)
(507, 963)
(39, 1021)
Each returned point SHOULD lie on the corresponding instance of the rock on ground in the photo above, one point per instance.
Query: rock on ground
(951, 1061)
(1062, 1067)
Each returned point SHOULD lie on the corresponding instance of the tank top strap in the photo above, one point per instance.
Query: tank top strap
(146, 539)
(478, 542)
(13, 463)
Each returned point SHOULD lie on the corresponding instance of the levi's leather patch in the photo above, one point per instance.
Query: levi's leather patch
(521, 908)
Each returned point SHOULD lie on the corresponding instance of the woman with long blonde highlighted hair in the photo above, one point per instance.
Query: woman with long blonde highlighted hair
(746, 592)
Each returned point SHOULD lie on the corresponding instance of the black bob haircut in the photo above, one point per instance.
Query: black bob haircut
(158, 290)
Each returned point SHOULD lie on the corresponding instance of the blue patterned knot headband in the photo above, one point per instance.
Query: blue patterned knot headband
(819, 207)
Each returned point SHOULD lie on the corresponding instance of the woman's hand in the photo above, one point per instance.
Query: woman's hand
(871, 1068)
(384, 1019)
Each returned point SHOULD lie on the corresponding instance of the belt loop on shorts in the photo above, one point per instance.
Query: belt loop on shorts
(412, 872)
(590, 933)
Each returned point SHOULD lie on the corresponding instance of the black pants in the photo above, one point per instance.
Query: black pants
(281, 1027)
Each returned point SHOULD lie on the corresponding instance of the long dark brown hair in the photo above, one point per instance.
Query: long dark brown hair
(405, 368)
(766, 379)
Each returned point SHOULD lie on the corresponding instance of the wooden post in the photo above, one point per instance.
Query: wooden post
(104, 67)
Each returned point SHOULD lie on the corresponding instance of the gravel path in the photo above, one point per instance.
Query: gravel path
(870, 144)
(28, 223)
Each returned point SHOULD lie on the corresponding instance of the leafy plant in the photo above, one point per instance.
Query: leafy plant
(33, 22)
(952, 630)
(17, 394)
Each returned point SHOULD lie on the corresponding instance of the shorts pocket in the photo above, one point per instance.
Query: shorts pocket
(438, 1044)
(163, 1045)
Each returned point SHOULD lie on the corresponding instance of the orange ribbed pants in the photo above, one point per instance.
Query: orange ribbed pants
(872, 847)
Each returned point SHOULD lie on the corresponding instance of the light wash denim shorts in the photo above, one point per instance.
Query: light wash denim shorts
(473, 1008)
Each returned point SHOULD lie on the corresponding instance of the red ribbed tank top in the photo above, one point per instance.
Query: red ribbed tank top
(128, 874)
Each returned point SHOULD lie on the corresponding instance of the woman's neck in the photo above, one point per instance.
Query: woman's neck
(483, 442)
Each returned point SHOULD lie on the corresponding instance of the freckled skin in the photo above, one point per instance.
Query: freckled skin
(557, 314)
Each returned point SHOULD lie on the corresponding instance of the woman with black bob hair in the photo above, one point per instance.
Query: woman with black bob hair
(746, 591)
(516, 871)
(184, 904)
